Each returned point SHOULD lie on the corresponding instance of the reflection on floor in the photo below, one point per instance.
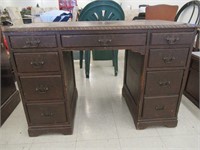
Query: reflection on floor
(103, 121)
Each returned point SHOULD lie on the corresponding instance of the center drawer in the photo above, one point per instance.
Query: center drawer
(163, 83)
(42, 87)
(37, 62)
(47, 113)
(103, 40)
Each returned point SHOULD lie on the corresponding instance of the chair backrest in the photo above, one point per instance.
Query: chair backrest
(15, 15)
(161, 12)
(101, 10)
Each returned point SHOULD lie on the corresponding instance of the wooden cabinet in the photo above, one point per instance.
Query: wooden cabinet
(8, 93)
(192, 86)
(156, 66)
(48, 98)
(155, 98)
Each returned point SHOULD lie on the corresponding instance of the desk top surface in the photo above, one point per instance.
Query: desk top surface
(97, 25)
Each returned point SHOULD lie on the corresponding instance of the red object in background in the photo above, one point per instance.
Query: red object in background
(6, 45)
(67, 4)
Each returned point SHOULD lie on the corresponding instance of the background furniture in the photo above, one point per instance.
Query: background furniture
(192, 86)
(154, 75)
(101, 10)
(9, 94)
(161, 12)
(15, 15)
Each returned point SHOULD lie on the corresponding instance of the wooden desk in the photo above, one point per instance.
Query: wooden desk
(156, 67)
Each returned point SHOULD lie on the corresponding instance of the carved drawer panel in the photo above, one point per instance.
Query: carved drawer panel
(172, 38)
(103, 40)
(160, 107)
(47, 113)
(37, 62)
(163, 83)
(168, 57)
(40, 41)
(42, 87)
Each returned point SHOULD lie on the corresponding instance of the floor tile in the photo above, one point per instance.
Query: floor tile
(181, 141)
(96, 126)
(15, 147)
(54, 146)
(110, 144)
(152, 143)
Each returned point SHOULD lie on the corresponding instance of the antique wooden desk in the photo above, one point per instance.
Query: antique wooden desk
(156, 66)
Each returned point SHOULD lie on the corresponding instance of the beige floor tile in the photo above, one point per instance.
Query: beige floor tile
(110, 144)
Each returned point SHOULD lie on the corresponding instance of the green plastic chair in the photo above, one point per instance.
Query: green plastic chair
(101, 10)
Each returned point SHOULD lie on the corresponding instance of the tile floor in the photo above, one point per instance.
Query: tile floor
(103, 121)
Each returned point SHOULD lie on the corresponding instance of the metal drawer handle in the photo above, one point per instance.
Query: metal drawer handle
(32, 43)
(159, 107)
(47, 114)
(42, 89)
(37, 64)
(164, 83)
(104, 42)
(172, 39)
(168, 60)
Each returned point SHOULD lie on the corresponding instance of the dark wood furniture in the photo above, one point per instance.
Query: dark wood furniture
(156, 67)
(192, 85)
(9, 95)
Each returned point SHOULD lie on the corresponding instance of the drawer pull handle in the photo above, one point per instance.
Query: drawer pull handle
(47, 114)
(172, 39)
(159, 108)
(37, 64)
(164, 83)
(42, 89)
(104, 42)
(168, 60)
(32, 44)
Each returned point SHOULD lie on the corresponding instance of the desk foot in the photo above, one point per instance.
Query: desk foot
(34, 131)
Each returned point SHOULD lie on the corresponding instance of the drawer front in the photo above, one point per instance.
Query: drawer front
(47, 113)
(162, 83)
(172, 38)
(160, 107)
(37, 62)
(103, 40)
(168, 57)
(42, 87)
(40, 41)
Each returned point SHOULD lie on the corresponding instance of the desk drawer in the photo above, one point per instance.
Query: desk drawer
(40, 41)
(160, 107)
(103, 40)
(168, 57)
(47, 113)
(37, 62)
(42, 87)
(172, 38)
(163, 83)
